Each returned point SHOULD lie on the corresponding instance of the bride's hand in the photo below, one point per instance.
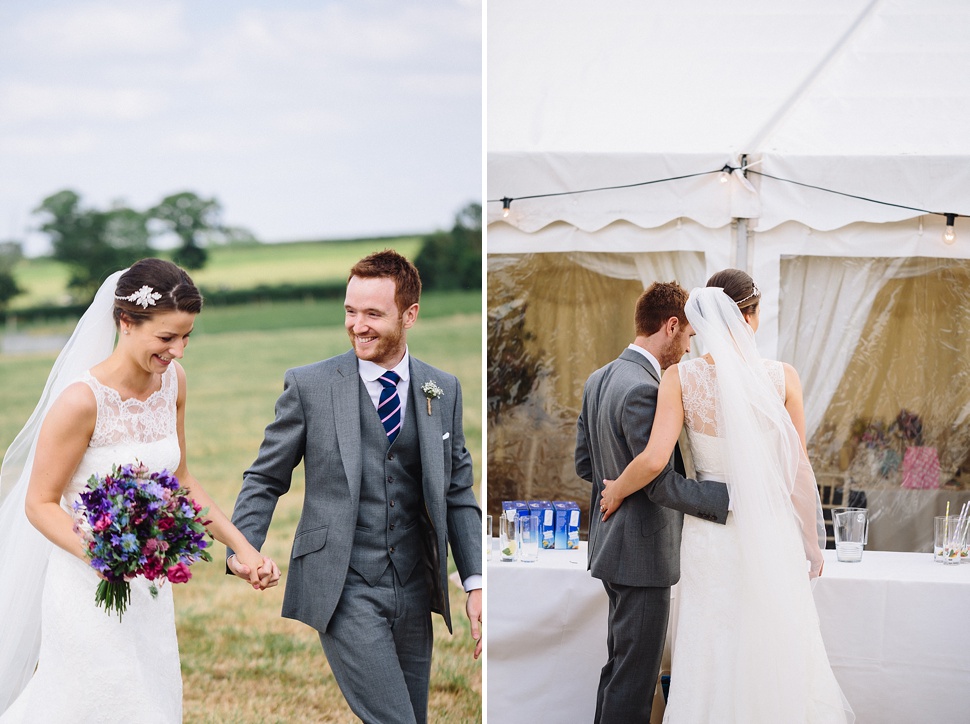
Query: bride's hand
(269, 573)
(610, 500)
(247, 566)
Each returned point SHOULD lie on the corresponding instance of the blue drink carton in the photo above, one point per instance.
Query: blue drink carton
(567, 524)
(544, 510)
(519, 506)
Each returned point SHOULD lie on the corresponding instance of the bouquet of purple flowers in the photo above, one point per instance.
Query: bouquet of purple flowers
(137, 523)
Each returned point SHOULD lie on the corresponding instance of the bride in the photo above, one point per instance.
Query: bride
(63, 659)
(748, 648)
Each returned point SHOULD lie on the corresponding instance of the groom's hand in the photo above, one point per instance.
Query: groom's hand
(473, 607)
(269, 573)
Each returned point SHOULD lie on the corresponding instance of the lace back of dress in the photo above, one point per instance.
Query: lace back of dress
(134, 421)
(698, 381)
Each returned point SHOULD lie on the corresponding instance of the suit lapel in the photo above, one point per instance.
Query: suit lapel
(631, 356)
(345, 391)
(429, 437)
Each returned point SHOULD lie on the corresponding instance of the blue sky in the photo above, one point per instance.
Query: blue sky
(305, 119)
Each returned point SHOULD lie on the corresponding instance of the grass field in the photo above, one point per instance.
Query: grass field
(241, 662)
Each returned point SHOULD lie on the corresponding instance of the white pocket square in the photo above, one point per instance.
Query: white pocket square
(446, 436)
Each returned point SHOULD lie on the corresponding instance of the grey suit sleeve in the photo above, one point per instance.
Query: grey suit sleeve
(639, 409)
(269, 477)
(464, 515)
(583, 461)
(704, 499)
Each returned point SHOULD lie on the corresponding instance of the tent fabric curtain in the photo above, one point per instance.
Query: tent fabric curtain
(826, 305)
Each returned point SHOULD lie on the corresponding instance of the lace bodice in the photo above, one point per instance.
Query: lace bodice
(698, 382)
(129, 430)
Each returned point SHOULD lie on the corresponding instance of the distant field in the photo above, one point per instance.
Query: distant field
(232, 267)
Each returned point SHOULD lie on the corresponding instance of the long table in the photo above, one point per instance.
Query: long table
(895, 627)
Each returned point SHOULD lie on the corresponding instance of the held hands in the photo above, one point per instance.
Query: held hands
(610, 498)
(473, 607)
(260, 571)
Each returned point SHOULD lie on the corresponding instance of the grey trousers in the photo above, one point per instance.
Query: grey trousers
(635, 643)
(378, 645)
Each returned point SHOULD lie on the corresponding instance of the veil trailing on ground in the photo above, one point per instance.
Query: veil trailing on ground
(23, 549)
(775, 505)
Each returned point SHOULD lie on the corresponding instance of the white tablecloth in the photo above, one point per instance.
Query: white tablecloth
(896, 627)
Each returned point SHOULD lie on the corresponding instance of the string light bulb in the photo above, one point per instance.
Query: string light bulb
(950, 232)
(726, 174)
(506, 207)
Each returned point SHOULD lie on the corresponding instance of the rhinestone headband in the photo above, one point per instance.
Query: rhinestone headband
(755, 293)
(146, 297)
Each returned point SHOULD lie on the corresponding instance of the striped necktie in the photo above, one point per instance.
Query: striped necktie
(389, 404)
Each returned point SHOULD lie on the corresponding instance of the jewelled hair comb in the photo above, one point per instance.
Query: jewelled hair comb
(145, 297)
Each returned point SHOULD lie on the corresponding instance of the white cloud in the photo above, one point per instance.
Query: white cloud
(40, 102)
(46, 146)
(136, 28)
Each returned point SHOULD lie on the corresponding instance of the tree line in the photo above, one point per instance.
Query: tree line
(92, 242)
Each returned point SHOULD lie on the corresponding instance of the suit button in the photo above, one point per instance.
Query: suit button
(392, 503)
(392, 549)
(390, 478)
(392, 526)
(390, 456)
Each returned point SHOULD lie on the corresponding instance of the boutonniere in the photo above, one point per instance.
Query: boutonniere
(432, 392)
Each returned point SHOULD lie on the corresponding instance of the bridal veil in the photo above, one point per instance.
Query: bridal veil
(23, 549)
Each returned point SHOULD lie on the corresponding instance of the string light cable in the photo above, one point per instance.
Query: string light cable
(725, 173)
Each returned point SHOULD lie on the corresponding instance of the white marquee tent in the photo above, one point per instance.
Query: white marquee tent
(608, 125)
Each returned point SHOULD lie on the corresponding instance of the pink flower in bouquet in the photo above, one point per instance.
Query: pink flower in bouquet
(165, 523)
(153, 568)
(179, 573)
(102, 523)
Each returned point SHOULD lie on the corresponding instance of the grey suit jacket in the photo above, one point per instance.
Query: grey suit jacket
(639, 545)
(318, 421)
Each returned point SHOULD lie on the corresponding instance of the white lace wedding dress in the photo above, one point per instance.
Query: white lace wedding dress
(720, 656)
(94, 668)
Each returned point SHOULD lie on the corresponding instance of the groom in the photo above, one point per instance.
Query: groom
(388, 487)
(636, 552)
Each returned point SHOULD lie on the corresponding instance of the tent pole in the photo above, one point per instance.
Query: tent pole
(741, 244)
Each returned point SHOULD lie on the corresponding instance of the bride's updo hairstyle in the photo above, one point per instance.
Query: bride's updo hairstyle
(740, 287)
(154, 286)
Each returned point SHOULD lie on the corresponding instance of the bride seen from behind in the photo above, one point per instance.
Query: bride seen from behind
(747, 646)
(104, 405)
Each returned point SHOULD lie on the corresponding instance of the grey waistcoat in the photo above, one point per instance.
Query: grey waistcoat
(391, 499)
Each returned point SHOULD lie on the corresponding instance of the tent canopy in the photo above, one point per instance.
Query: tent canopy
(865, 97)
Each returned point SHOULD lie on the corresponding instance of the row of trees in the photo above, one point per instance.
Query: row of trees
(453, 259)
(90, 241)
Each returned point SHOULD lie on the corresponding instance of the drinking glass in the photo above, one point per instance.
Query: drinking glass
(851, 526)
(528, 534)
(507, 540)
(949, 537)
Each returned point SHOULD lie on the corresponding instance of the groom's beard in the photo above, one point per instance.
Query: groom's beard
(671, 354)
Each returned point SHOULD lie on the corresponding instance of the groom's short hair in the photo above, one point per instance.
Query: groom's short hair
(390, 264)
(658, 303)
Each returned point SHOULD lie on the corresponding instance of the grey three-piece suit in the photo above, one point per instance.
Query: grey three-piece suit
(636, 552)
(368, 564)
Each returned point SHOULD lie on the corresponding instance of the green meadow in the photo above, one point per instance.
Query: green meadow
(241, 662)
